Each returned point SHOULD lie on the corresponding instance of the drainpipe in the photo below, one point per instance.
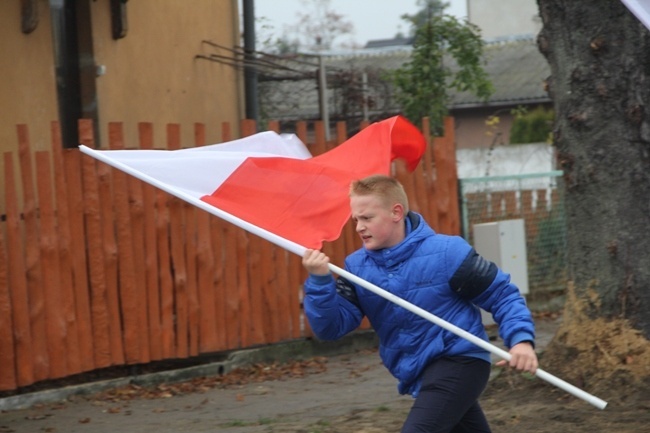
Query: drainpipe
(250, 73)
(66, 58)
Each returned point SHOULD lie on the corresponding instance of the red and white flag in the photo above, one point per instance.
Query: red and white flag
(269, 184)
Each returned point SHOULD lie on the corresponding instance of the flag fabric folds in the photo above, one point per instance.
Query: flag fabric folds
(271, 181)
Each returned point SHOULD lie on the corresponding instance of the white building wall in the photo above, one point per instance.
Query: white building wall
(503, 19)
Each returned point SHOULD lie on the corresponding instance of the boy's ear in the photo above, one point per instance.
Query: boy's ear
(398, 212)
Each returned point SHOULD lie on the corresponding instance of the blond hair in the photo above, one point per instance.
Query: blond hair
(388, 189)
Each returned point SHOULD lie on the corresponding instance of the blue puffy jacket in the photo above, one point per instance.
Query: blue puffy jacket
(440, 274)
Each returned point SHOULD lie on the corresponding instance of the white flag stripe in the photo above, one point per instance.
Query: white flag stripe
(641, 9)
(104, 156)
(197, 177)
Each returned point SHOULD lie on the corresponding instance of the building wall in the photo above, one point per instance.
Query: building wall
(150, 75)
(474, 131)
(27, 83)
(504, 18)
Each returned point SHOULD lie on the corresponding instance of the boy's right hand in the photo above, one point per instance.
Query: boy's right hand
(316, 262)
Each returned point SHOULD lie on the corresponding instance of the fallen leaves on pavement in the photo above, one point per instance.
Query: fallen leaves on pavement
(240, 376)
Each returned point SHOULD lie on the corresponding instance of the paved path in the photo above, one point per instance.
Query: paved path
(351, 383)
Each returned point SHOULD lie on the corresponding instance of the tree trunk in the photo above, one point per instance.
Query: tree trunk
(599, 54)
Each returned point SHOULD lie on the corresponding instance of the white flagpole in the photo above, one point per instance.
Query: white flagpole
(600, 404)
(300, 250)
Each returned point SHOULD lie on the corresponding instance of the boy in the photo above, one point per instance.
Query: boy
(441, 274)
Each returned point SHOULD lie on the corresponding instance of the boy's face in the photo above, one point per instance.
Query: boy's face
(380, 226)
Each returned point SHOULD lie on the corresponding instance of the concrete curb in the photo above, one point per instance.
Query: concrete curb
(280, 352)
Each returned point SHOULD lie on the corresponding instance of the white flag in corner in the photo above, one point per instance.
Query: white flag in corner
(641, 9)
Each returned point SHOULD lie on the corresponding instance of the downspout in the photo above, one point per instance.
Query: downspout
(250, 73)
(66, 58)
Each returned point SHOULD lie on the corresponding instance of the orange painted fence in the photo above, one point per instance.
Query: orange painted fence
(99, 269)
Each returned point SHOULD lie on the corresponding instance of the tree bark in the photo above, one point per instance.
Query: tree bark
(599, 55)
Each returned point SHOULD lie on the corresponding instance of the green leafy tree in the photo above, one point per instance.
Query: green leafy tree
(447, 54)
(533, 126)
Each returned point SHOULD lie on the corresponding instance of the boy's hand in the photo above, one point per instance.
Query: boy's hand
(523, 358)
(316, 262)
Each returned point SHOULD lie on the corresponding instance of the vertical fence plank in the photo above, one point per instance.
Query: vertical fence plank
(105, 183)
(165, 276)
(7, 352)
(205, 269)
(223, 292)
(258, 320)
(283, 295)
(17, 281)
(96, 257)
(226, 131)
(130, 302)
(246, 273)
(452, 177)
(96, 262)
(193, 305)
(32, 259)
(270, 317)
(243, 285)
(231, 244)
(52, 291)
(79, 259)
(191, 247)
(341, 132)
(429, 166)
(270, 293)
(295, 294)
(419, 176)
(136, 246)
(301, 131)
(65, 260)
(442, 192)
(273, 125)
(145, 133)
(177, 249)
(319, 146)
(137, 229)
(248, 127)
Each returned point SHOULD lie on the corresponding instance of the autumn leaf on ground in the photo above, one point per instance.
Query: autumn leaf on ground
(254, 373)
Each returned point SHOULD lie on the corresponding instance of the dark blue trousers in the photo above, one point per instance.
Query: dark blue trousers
(448, 398)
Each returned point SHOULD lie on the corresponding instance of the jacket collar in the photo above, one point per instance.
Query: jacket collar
(416, 230)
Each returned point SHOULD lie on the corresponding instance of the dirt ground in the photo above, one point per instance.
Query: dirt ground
(350, 393)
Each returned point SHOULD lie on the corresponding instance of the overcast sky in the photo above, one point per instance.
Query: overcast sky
(372, 19)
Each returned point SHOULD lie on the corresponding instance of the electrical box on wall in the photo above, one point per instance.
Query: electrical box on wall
(504, 243)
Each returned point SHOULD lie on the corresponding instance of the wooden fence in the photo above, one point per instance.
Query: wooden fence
(99, 269)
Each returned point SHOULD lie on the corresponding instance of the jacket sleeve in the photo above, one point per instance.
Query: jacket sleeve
(484, 284)
(331, 312)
